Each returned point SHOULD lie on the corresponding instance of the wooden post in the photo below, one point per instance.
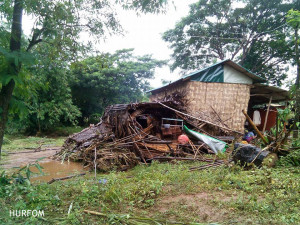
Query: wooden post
(255, 128)
(267, 114)
(276, 124)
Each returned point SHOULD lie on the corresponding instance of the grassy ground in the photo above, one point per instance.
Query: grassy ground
(13, 143)
(17, 143)
(21, 142)
(164, 192)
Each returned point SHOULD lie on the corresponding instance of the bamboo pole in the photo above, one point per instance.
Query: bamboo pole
(267, 114)
(276, 125)
(255, 128)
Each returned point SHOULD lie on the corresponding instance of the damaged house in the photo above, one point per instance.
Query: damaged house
(206, 105)
(225, 88)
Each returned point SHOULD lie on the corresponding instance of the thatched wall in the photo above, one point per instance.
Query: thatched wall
(227, 100)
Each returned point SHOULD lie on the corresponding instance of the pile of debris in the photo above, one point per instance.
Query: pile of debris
(141, 132)
(129, 134)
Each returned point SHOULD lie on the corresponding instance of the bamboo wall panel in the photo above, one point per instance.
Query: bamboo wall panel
(228, 100)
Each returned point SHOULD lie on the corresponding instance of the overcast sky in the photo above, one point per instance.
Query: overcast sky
(144, 34)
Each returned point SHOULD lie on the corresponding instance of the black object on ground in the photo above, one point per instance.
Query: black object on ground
(248, 154)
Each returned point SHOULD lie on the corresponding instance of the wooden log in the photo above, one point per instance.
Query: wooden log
(254, 127)
(65, 178)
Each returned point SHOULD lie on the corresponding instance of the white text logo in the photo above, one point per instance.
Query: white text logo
(26, 213)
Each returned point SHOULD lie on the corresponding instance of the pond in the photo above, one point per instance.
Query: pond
(56, 169)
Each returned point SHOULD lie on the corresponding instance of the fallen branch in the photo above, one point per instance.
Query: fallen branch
(216, 164)
(65, 178)
(121, 218)
(33, 151)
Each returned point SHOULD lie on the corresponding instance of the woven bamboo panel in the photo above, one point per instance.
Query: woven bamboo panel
(228, 100)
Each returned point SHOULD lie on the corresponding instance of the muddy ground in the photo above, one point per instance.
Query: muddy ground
(22, 158)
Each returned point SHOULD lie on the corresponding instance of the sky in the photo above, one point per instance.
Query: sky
(144, 34)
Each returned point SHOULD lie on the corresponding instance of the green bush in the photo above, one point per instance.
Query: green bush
(6, 141)
(292, 159)
(65, 131)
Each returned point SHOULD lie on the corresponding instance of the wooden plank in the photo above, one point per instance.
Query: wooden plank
(267, 114)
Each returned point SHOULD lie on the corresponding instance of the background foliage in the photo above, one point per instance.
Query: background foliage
(109, 79)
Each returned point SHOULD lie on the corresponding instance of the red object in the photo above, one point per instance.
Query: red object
(271, 122)
(183, 139)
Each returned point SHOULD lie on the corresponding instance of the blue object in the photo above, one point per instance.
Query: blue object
(103, 181)
(249, 136)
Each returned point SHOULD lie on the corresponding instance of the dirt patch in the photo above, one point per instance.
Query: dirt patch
(21, 159)
(200, 204)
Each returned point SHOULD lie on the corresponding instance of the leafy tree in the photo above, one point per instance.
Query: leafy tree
(42, 97)
(293, 19)
(52, 104)
(110, 78)
(58, 23)
(255, 35)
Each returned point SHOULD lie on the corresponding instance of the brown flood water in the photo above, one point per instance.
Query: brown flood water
(56, 169)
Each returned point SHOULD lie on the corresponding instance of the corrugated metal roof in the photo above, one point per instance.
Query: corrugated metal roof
(261, 93)
(236, 66)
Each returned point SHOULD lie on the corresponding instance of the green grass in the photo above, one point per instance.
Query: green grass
(164, 191)
(65, 131)
(17, 143)
(20, 142)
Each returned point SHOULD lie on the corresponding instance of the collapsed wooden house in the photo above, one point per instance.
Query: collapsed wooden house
(225, 88)
(139, 132)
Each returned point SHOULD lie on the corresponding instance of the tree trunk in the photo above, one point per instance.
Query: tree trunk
(15, 45)
(297, 91)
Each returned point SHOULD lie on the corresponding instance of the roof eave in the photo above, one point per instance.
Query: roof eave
(254, 77)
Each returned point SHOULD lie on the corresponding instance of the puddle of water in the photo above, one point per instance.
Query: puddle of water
(55, 169)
